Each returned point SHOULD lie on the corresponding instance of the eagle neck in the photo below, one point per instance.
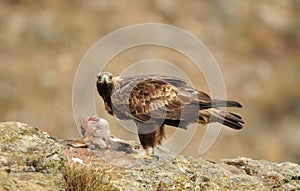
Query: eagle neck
(105, 90)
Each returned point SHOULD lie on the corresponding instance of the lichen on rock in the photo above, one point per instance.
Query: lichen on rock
(31, 157)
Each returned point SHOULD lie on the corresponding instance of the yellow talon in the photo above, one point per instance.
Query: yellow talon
(144, 154)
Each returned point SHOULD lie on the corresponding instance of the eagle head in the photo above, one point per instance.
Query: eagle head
(104, 78)
(104, 83)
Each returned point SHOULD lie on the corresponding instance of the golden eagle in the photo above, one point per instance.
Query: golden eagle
(153, 101)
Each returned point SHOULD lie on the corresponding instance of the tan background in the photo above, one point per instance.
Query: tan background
(256, 44)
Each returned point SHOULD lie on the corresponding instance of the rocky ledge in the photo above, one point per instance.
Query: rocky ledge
(33, 160)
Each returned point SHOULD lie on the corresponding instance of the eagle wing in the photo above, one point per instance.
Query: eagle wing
(154, 98)
(159, 97)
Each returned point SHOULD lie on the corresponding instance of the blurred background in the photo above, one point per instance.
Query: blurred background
(256, 44)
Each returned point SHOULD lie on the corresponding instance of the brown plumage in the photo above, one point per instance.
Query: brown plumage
(154, 101)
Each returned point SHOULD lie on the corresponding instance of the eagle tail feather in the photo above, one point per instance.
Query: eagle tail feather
(228, 119)
(225, 103)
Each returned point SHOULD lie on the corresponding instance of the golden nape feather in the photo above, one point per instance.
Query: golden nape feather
(153, 101)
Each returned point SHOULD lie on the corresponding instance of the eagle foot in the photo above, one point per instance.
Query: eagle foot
(137, 156)
(145, 154)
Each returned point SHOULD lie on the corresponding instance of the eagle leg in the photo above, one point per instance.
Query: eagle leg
(150, 135)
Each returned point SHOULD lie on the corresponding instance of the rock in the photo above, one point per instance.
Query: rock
(187, 173)
(31, 181)
(29, 159)
(33, 160)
